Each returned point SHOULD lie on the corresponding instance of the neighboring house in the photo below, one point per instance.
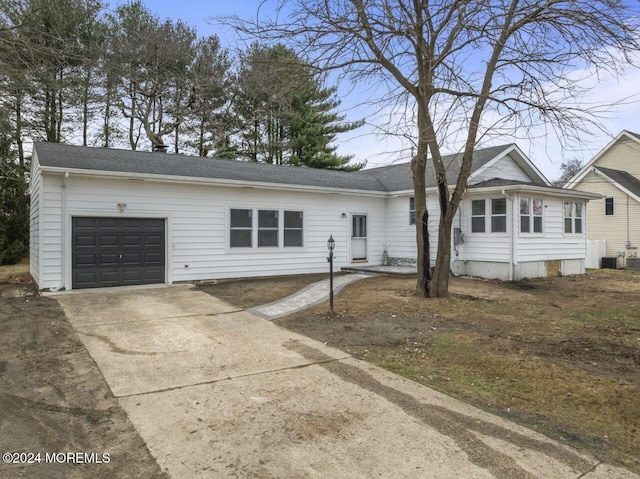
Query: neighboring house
(614, 173)
(102, 217)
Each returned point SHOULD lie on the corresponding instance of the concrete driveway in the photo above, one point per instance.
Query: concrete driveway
(218, 392)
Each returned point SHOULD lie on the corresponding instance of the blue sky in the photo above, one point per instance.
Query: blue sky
(545, 150)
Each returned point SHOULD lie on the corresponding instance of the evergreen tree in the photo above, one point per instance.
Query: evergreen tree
(286, 114)
(14, 200)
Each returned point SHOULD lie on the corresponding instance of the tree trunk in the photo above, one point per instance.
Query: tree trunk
(418, 165)
(18, 129)
(439, 287)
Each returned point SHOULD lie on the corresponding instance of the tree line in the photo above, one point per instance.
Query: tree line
(72, 71)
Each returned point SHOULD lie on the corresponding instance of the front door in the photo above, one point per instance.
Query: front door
(358, 237)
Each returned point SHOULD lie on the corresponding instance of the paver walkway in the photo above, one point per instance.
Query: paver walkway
(313, 294)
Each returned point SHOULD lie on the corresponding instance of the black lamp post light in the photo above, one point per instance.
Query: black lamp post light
(331, 244)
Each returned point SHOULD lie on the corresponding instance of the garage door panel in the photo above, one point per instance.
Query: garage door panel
(133, 258)
(153, 258)
(109, 259)
(131, 240)
(153, 239)
(85, 241)
(117, 251)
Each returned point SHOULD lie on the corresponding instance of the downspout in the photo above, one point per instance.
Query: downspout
(512, 253)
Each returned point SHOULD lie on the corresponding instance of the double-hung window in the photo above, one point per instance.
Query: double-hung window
(573, 217)
(241, 228)
(499, 215)
(531, 215)
(293, 228)
(253, 227)
(478, 211)
(267, 228)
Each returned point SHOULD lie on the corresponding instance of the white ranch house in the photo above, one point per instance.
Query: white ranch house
(103, 217)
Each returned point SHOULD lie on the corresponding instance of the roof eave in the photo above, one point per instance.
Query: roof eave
(546, 190)
(616, 184)
(586, 169)
(206, 181)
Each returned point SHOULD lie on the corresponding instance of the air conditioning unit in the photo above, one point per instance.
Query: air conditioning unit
(633, 264)
(610, 262)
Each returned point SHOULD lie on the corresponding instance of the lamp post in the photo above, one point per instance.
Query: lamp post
(331, 244)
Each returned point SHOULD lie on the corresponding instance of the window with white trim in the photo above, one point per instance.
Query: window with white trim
(478, 210)
(293, 228)
(241, 228)
(252, 227)
(531, 215)
(609, 206)
(573, 217)
(268, 228)
(499, 215)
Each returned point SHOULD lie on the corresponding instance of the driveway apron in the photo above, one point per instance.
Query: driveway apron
(218, 392)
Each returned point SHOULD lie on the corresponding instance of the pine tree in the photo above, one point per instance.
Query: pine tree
(287, 115)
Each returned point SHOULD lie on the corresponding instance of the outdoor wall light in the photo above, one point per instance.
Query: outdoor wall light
(122, 206)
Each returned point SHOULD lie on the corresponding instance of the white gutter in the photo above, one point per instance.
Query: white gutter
(562, 193)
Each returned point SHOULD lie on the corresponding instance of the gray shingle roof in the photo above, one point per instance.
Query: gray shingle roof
(382, 179)
(624, 179)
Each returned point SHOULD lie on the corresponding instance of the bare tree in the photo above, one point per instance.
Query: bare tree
(568, 169)
(467, 67)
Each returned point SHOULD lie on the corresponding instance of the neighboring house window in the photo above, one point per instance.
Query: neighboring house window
(531, 215)
(499, 215)
(268, 231)
(240, 228)
(573, 217)
(478, 216)
(293, 228)
(267, 228)
(412, 211)
(608, 206)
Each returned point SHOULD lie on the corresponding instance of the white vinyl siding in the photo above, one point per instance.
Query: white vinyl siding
(35, 193)
(616, 229)
(198, 225)
(505, 168)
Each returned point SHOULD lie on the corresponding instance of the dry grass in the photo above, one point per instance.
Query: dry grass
(7, 273)
(559, 355)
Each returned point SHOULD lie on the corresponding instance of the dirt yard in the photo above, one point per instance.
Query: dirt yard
(559, 355)
(58, 418)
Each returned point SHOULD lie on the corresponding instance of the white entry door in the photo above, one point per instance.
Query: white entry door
(358, 237)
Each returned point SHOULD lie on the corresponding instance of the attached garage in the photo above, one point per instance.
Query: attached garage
(117, 251)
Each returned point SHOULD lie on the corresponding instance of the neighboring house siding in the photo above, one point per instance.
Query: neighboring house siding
(505, 168)
(198, 225)
(612, 228)
(623, 155)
